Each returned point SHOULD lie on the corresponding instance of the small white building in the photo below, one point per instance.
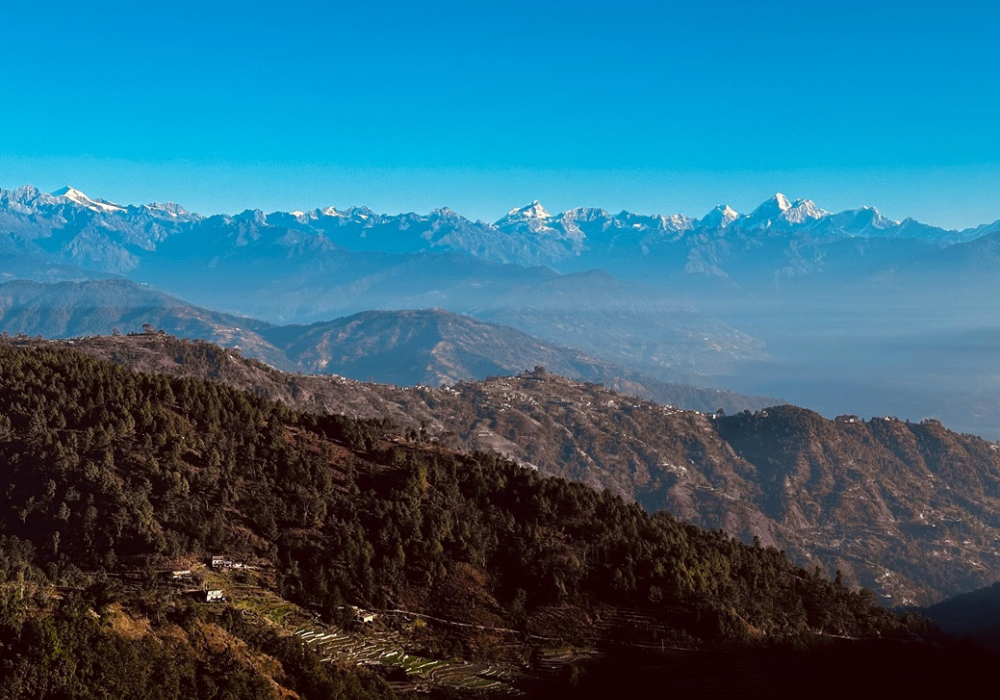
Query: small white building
(364, 616)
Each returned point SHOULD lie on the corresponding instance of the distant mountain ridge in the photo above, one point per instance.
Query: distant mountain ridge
(429, 347)
(73, 227)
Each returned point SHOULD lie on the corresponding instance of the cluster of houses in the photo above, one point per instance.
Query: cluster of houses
(215, 595)
(216, 563)
(219, 563)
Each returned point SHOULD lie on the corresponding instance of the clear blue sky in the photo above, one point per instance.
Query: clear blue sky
(657, 107)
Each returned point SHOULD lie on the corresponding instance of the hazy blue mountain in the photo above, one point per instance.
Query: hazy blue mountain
(75, 309)
(407, 348)
(434, 347)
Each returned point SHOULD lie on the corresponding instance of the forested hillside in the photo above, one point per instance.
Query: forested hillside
(105, 470)
(907, 509)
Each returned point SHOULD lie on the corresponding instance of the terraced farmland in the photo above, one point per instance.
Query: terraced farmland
(387, 648)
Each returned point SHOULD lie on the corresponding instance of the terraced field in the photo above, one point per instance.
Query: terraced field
(386, 648)
(371, 644)
(385, 642)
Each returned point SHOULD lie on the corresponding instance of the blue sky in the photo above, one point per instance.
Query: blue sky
(657, 107)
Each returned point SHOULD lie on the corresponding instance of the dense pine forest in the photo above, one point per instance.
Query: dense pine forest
(109, 477)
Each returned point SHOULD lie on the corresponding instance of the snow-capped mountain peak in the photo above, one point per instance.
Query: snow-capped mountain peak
(769, 212)
(77, 197)
(168, 209)
(801, 211)
(779, 210)
(720, 217)
(71, 192)
(532, 211)
(775, 205)
(877, 216)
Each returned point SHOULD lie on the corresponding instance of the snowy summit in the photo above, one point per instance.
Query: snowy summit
(532, 211)
(77, 197)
